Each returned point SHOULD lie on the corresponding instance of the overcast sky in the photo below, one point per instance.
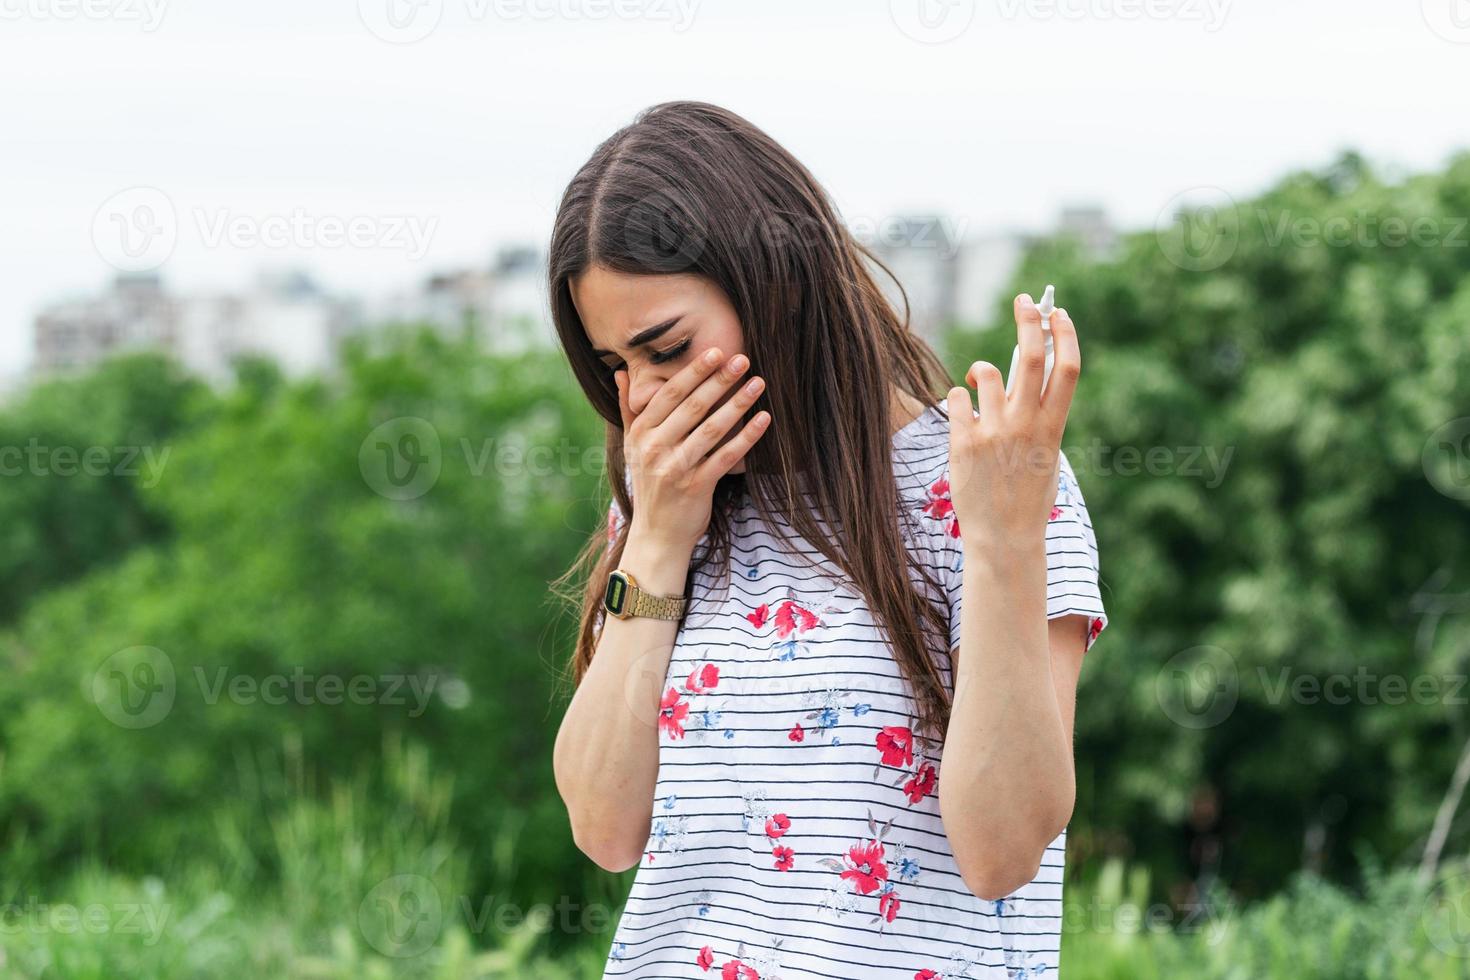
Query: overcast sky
(453, 126)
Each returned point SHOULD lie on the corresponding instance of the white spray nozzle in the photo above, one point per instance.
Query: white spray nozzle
(1047, 305)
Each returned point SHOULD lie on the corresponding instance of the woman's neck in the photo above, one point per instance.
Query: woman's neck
(906, 408)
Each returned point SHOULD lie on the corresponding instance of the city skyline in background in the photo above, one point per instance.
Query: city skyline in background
(940, 274)
(376, 158)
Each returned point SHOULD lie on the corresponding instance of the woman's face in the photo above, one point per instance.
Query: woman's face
(689, 314)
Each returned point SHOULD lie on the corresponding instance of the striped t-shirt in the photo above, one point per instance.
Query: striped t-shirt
(796, 831)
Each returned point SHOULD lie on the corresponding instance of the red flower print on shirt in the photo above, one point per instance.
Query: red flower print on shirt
(785, 857)
(940, 507)
(888, 905)
(866, 869)
(897, 745)
(736, 970)
(672, 711)
(921, 784)
(701, 679)
(1093, 628)
(793, 617)
(921, 975)
(797, 733)
(706, 958)
(1055, 512)
(790, 615)
(777, 825)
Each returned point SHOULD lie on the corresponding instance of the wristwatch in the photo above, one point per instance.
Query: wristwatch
(624, 599)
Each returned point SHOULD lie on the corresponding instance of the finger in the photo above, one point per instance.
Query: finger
(620, 377)
(671, 393)
(1056, 401)
(709, 432)
(1032, 362)
(961, 408)
(990, 390)
(723, 459)
(694, 410)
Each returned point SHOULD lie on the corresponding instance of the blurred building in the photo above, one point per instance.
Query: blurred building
(283, 316)
(953, 279)
(502, 305)
(134, 314)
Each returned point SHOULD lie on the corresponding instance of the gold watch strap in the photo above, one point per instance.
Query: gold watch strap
(656, 606)
(640, 602)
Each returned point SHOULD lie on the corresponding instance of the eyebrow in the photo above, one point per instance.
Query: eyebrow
(645, 336)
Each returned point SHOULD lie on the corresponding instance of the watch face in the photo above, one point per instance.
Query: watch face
(616, 597)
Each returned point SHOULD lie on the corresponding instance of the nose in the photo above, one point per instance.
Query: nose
(643, 384)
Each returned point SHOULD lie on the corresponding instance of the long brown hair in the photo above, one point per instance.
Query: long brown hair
(689, 187)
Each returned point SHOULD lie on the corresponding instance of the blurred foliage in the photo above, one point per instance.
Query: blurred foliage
(1278, 392)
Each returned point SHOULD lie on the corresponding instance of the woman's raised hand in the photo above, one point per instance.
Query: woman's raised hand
(1003, 462)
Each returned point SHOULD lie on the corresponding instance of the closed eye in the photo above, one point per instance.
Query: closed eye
(663, 357)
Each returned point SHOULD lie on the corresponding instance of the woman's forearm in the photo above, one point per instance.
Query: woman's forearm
(1007, 784)
(606, 754)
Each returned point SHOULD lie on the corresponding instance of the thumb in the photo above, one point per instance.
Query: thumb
(621, 377)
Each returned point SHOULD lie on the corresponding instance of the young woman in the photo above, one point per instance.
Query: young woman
(802, 505)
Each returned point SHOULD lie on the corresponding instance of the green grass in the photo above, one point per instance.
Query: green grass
(366, 880)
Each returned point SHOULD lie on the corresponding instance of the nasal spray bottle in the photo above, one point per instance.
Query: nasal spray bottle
(1046, 306)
